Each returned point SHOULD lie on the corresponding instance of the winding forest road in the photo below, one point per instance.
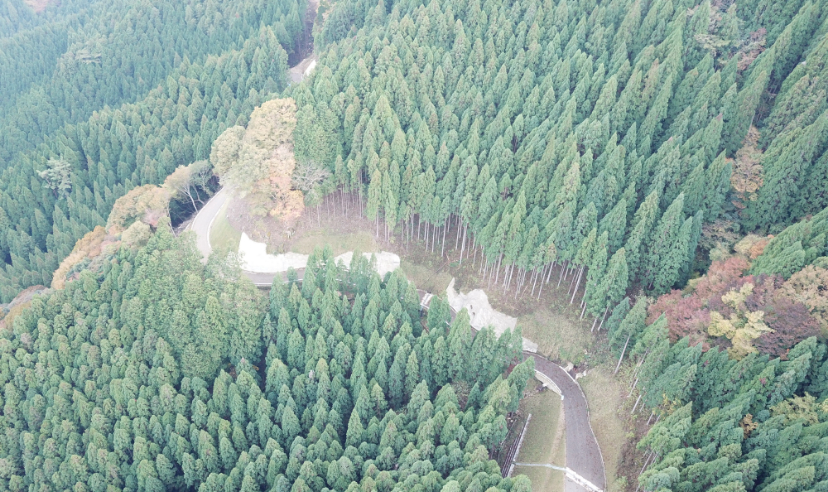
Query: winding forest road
(584, 463)
(202, 224)
(583, 456)
(204, 220)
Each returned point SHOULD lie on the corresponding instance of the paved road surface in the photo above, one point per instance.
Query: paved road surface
(204, 219)
(583, 455)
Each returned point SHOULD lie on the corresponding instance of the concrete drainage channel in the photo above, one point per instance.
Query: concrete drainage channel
(585, 464)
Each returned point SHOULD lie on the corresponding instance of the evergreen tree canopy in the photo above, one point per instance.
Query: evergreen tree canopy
(159, 376)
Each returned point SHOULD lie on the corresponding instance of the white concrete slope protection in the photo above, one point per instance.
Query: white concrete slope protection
(482, 314)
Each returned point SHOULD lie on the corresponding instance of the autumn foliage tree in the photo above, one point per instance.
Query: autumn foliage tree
(257, 162)
(731, 308)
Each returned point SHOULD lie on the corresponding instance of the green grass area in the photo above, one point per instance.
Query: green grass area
(559, 336)
(605, 397)
(426, 276)
(543, 479)
(544, 441)
(340, 243)
(223, 237)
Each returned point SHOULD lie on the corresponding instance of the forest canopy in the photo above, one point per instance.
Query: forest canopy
(155, 372)
(114, 149)
(670, 156)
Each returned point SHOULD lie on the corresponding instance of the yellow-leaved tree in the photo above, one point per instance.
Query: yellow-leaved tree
(742, 327)
(257, 162)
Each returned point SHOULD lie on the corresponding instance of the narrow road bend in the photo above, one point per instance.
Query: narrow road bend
(583, 455)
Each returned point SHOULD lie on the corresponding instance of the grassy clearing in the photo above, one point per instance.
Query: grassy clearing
(547, 319)
(223, 236)
(340, 243)
(544, 441)
(605, 396)
(426, 276)
(557, 336)
(543, 479)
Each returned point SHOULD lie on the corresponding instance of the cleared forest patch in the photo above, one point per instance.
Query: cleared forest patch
(338, 241)
(557, 336)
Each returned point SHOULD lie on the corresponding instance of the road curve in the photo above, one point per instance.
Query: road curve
(204, 219)
(583, 455)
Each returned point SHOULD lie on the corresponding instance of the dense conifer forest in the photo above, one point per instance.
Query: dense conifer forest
(128, 101)
(662, 162)
(119, 381)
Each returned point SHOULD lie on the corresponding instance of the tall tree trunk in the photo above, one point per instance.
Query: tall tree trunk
(190, 195)
(457, 239)
(635, 383)
(574, 292)
(636, 404)
(646, 464)
(540, 290)
(497, 269)
(623, 351)
(463, 244)
(604, 317)
(443, 247)
(574, 278)
(563, 271)
(198, 195)
(507, 277)
(534, 280)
